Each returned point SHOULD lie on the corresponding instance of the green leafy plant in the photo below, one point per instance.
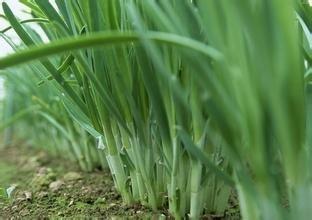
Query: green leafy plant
(6, 193)
(3, 194)
(187, 99)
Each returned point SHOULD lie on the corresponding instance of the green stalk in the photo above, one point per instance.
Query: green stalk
(113, 158)
(174, 204)
(196, 166)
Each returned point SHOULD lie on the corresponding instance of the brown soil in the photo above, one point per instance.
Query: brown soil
(49, 187)
(73, 194)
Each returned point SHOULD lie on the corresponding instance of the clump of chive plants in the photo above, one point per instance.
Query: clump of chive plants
(186, 99)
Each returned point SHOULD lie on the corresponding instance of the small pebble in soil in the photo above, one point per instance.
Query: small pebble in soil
(32, 163)
(111, 205)
(100, 201)
(28, 196)
(24, 212)
(14, 207)
(43, 170)
(43, 194)
(56, 185)
(43, 177)
(71, 202)
(72, 176)
(20, 199)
